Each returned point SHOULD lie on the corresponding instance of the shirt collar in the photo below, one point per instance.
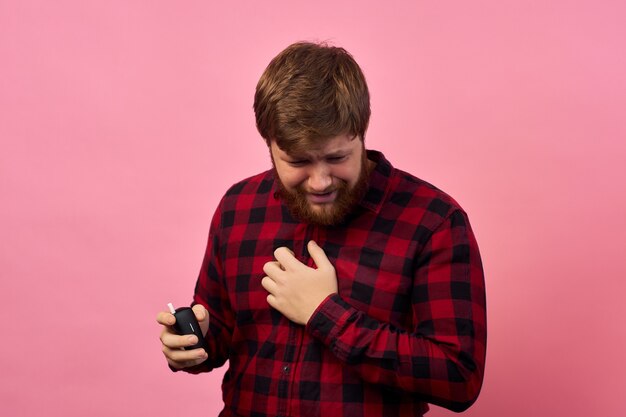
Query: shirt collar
(378, 182)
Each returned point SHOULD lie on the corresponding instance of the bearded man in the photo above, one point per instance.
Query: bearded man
(334, 284)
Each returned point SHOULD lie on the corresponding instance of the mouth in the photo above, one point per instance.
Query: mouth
(322, 198)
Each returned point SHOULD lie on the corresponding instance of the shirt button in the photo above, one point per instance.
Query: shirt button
(286, 369)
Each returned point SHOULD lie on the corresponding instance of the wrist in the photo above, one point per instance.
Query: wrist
(317, 308)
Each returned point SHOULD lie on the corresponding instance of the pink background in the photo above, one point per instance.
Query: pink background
(123, 122)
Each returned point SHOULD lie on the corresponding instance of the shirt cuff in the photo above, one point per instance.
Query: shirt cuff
(329, 319)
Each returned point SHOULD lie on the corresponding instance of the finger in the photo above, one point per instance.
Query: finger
(269, 285)
(273, 269)
(184, 358)
(271, 300)
(165, 318)
(318, 255)
(174, 341)
(183, 365)
(201, 313)
(286, 257)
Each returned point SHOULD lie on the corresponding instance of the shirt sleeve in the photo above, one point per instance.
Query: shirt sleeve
(211, 292)
(442, 359)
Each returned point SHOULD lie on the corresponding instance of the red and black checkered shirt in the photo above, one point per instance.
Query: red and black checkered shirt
(407, 328)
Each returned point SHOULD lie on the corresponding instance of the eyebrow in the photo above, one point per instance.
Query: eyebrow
(340, 152)
(334, 154)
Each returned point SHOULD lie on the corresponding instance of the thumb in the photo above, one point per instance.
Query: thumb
(201, 313)
(318, 255)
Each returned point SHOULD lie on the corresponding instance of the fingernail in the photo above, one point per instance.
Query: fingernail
(192, 339)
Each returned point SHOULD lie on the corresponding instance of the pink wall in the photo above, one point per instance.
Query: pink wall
(123, 122)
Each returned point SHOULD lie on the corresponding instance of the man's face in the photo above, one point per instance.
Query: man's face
(321, 186)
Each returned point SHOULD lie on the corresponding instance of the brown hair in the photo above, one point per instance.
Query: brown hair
(308, 93)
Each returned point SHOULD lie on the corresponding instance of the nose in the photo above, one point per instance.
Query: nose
(320, 179)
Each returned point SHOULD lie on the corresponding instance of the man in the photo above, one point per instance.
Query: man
(334, 284)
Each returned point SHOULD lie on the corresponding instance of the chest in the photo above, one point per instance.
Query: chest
(374, 267)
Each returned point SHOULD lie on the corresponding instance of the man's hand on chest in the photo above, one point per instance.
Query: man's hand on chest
(295, 289)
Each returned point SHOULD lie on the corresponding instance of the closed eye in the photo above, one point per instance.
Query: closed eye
(336, 159)
(298, 163)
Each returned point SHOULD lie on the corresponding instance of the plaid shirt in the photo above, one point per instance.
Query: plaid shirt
(407, 327)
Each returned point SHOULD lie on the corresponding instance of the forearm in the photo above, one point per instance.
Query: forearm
(218, 337)
(446, 370)
(211, 292)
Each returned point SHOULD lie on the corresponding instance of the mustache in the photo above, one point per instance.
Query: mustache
(341, 185)
(327, 191)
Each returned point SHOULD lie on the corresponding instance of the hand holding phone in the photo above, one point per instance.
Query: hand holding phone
(182, 335)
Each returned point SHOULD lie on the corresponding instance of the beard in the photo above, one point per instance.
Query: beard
(330, 213)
